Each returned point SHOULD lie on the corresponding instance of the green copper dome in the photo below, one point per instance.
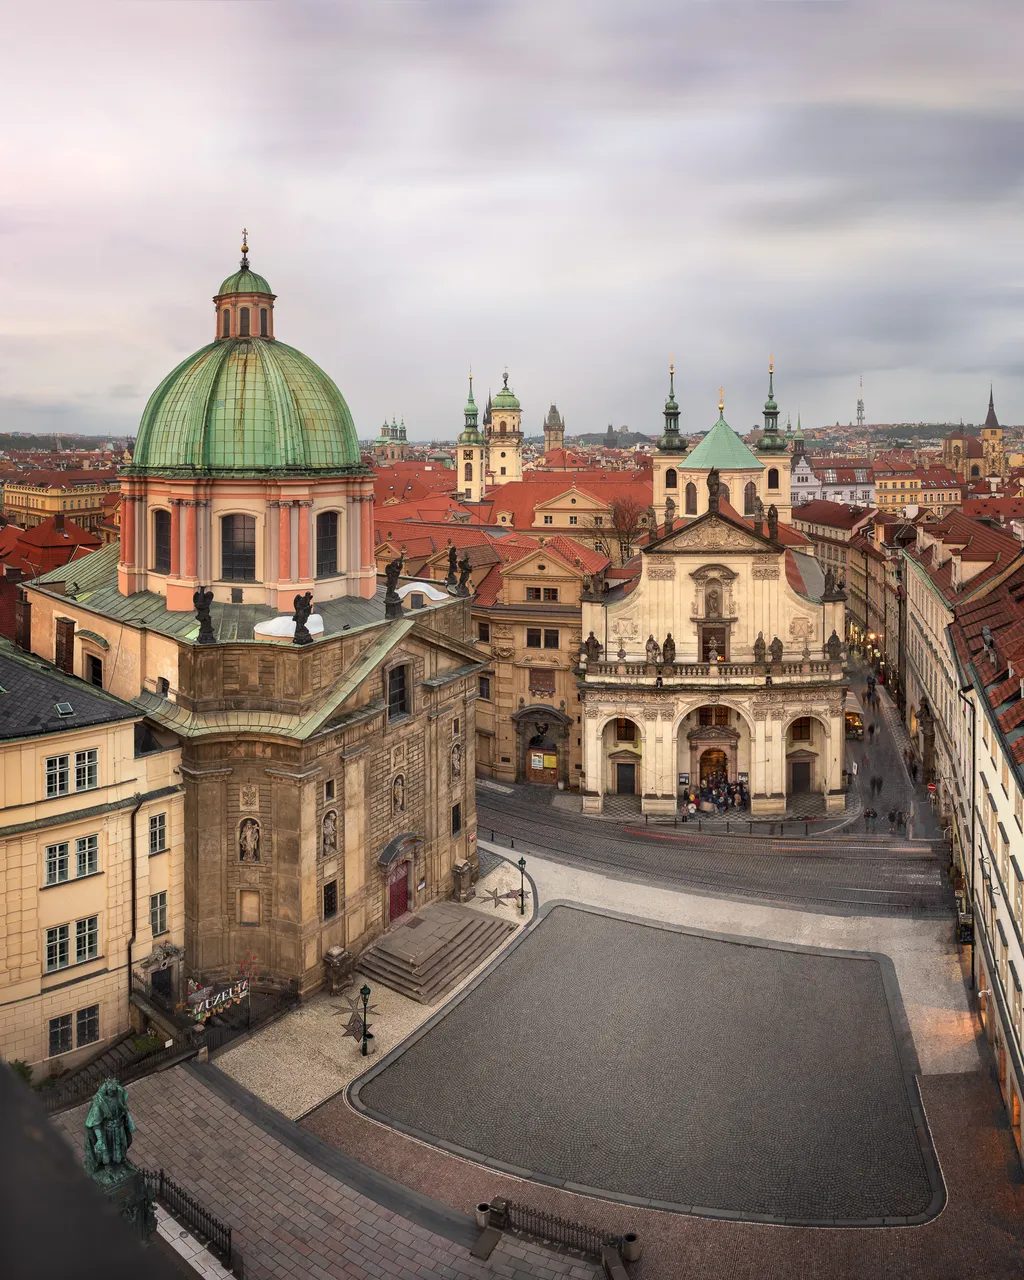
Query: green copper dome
(244, 281)
(246, 407)
(505, 399)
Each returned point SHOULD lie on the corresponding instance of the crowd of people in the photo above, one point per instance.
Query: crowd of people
(716, 795)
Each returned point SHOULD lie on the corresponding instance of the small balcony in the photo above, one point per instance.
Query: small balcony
(638, 671)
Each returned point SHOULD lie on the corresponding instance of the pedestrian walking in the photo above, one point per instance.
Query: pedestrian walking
(871, 731)
(913, 771)
(878, 783)
(892, 821)
(867, 819)
(901, 819)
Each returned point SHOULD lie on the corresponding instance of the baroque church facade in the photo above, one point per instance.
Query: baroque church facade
(325, 727)
(725, 659)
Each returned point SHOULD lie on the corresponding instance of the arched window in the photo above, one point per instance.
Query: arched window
(800, 730)
(238, 548)
(162, 541)
(469, 471)
(326, 543)
(243, 322)
(723, 493)
(225, 326)
(749, 498)
(501, 428)
(691, 499)
(773, 477)
(671, 479)
(263, 322)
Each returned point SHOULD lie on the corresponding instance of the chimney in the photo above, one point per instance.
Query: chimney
(58, 521)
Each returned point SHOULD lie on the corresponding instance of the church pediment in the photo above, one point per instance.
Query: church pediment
(710, 533)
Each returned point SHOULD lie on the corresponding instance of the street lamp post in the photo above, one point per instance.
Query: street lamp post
(522, 886)
(365, 995)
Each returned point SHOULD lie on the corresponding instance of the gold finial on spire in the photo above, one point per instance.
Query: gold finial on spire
(245, 249)
(771, 364)
(721, 399)
(671, 364)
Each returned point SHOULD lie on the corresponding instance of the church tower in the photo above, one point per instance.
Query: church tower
(470, 454)
(505, 439)
(992, 442)
(774, 453)
(554, 430)
(669, 454)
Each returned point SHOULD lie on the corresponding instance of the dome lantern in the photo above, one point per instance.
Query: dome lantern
(244, 303)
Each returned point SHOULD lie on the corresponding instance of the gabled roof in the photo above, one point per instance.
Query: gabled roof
(33, 688)
(722, 448)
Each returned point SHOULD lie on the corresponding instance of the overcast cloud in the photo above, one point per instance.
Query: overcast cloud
(574, 190)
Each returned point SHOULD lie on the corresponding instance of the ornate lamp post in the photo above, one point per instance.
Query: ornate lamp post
(365, 995)
(522, 886)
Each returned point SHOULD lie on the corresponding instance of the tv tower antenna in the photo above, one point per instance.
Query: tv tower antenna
(860, 403)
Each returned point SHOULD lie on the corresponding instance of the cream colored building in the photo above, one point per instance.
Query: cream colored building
(680, 682)
(91, 830)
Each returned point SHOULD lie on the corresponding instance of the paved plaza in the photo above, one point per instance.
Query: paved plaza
(687, 1071)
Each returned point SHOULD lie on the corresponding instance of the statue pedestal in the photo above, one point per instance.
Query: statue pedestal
(127, 1189)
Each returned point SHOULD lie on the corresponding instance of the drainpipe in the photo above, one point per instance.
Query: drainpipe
(974, 771)
(135, 894)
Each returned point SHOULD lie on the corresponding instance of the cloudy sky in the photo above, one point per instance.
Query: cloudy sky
(576, 190)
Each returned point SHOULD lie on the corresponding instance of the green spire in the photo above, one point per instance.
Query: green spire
(671, 441)
(470, 433)
(771, 441)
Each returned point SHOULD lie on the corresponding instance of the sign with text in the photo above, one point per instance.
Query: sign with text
(204, 1001)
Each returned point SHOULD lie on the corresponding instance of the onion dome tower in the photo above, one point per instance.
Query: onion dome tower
(771, 441)
(470, 453)
(505, 439)
(246, 476)
(669, 454)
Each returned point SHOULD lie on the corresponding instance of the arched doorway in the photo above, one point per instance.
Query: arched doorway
(623, 753)
(398, 891)
(806, 757)
(714, 767)
(397, 862)
(542, 745)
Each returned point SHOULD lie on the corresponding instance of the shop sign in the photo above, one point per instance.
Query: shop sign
(203, 1001)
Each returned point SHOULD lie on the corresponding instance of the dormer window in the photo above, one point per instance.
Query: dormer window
(243, 322)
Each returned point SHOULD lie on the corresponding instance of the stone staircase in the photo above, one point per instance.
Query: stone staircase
(425, 956)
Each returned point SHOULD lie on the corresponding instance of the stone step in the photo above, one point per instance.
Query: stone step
(441, 968)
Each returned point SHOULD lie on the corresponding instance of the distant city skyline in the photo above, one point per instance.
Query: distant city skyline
(579, 192)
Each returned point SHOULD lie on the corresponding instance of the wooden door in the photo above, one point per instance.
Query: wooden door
(801, 773)
(625, 779)
(398, 892)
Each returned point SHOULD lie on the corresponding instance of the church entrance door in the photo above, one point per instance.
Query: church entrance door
(714, 767)
(625, 779)
(398, 892)
(801, 776)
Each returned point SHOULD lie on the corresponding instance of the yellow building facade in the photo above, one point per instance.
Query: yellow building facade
(39, 496)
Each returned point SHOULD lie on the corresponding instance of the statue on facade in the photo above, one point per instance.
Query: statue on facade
(457, 760)
(670, 515)
(759, 647)
(453, 556)
(392, 600)
(303, 608)
(713, 603)
(834, 647)
(398, 795)
(668, 651)
(830, 583)
(202, 599)
(592, 648)
(653, 650)
(758, 514)
(775, 649)
(713, 652)
(773, 522)
(465, 569)
(652, 523)
(329, 844)
(249, 841)
(714, 489)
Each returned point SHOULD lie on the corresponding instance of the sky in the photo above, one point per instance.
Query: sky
(579, 191)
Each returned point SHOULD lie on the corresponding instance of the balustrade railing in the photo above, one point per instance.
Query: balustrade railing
(639, 669)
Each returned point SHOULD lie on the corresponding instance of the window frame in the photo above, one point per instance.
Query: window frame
(329, 885)
(87, 939)
(58, 772)
(550, 643)
(58, 1025)
(158, 828)
(158, 913)
(162, 527)
(398, 701)
(534, 637)
(87, 766)
(234, 554)
(484, 688)
(326, 548)
(90, 847)
(89, 1017)
(50, 857)
(483, 630)
(57, 936)
(457, 818)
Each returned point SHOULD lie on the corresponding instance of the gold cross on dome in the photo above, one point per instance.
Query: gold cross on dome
(245, 240)
(721, 399)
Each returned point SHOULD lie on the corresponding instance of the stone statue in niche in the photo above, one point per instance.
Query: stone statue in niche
(330, 834)
(668, 650)
(249, 841)
(759, 647)
(398, 795)
(775, 649)
(653, 650)
(714, 603)
(457, 760)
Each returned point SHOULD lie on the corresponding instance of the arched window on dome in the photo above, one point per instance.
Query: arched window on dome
(326, 544)
(749, 498)
(161, 542)
(243, 322)
(773, 477)
(263, 322)
(225, 324)
(469, 471)
(691, 499)
(238, 548)
(671, 479)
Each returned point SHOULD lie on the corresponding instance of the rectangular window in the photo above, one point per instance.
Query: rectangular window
(87, 855)
(326, 544)
(329, 789)
(398, 693)
(58, 947)
(87, 939)
(598, 521)
(330, 899)
(57, 776)
(483, 632)
(549, 519)
(86, 770)
(60, 1035)
(87, 1025)
(158, 912)
(551, 594)
(93, 671)
(484, 688)
(1006, 778)
(550, 639)
(263, 322)
(533, 637)
(57, 863)
(456, 819)
(157, 832)
(533, 593)
(625, 730)
(574, 519)
(801, 730)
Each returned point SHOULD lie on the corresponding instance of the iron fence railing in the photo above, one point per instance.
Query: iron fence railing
(551, 1229)
(186, 1209)
(63, 1095)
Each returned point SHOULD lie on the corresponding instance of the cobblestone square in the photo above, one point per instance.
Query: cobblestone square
(686, 1071)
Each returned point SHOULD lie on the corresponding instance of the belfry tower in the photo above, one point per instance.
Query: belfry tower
(470, 464)
(992, 442)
